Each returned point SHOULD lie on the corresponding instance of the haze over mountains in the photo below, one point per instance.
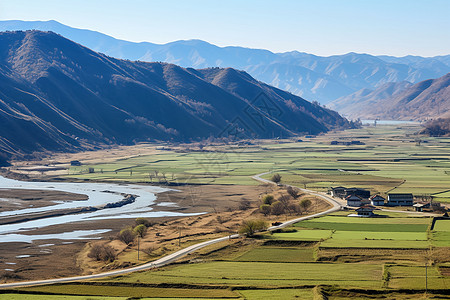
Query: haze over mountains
(428, 99)
(59, 95)
(315, 78)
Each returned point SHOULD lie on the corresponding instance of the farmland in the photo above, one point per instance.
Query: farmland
(390, 160)
(293, 264)
(334, 255)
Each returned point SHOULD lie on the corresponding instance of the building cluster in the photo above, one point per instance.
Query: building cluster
(347, 143)
(357, 197)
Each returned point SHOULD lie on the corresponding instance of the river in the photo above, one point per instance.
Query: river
(99, 194)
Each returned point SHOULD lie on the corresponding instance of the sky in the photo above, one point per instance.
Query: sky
(321, 27)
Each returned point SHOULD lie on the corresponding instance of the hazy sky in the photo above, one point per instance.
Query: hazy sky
(322, 27)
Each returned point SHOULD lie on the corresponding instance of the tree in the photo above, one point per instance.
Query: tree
(126, 236)
(267, 199)
(140, 230)
(143, 221)
(305, 204)
(276, 178)
(293, 192)
(277, 208)
(250, 227)
(101, 252)
(265, 209)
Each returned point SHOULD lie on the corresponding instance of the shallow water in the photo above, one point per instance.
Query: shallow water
(99, 194)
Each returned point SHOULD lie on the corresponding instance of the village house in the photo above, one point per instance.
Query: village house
(364, 194)
(338, 192)
(400, 199)
(377, 200)
(354, 200)
(365, 211)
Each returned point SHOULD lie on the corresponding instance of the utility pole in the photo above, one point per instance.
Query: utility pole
(426, 278)
(138, 246)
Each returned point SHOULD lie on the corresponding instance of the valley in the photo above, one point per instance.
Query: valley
(215, 180)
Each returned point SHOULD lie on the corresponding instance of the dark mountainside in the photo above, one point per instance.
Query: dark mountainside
(312, 77)
(425, 100)
(58, 95)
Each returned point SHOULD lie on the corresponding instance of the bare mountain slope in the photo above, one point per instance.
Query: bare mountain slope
(58, 95)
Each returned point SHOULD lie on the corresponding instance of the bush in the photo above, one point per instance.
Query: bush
(142, 221)
(140, 230)
(293, 192)
(265, 209)
(277, 208)
(250, 227)
(305, 204)
(267, 199)
(126, 236)
(101, 252)
(276, 178)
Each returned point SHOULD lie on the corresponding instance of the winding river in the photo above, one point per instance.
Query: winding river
(99, 194)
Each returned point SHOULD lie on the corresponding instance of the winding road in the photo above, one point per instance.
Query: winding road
(176, 255)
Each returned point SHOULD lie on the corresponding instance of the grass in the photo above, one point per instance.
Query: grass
(302, 235)
(364, 227)
(276, 294)
(55, 297)
(132, 291)
(278, 254)
(413, 277)
(442, 225)
(263, 274)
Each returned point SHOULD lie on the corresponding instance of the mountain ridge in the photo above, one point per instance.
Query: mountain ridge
(313, 77)
(57, 95)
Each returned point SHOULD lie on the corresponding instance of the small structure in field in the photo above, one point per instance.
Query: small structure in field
(421, 206)
(354, 200)
(365, 211)
(377, 200)
(395, 199)
(338, 192)
(75, 163)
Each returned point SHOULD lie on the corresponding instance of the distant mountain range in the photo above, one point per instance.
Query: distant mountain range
(59, 95)
(312, 77)
(428, 99)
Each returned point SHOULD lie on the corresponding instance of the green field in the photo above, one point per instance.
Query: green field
(389, 161)
(302, 235)
(278, 254)
(263, 274)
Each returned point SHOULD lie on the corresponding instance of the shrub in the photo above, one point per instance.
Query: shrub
(293, 192)
(101, 252)
(267, 199)
(142, 221)
(265, 209)
(276, 178)
(305, 204)
(250, 227)
(126, 236)
(140, 230)
(277, 208)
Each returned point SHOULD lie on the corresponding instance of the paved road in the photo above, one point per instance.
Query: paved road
(175, 256)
